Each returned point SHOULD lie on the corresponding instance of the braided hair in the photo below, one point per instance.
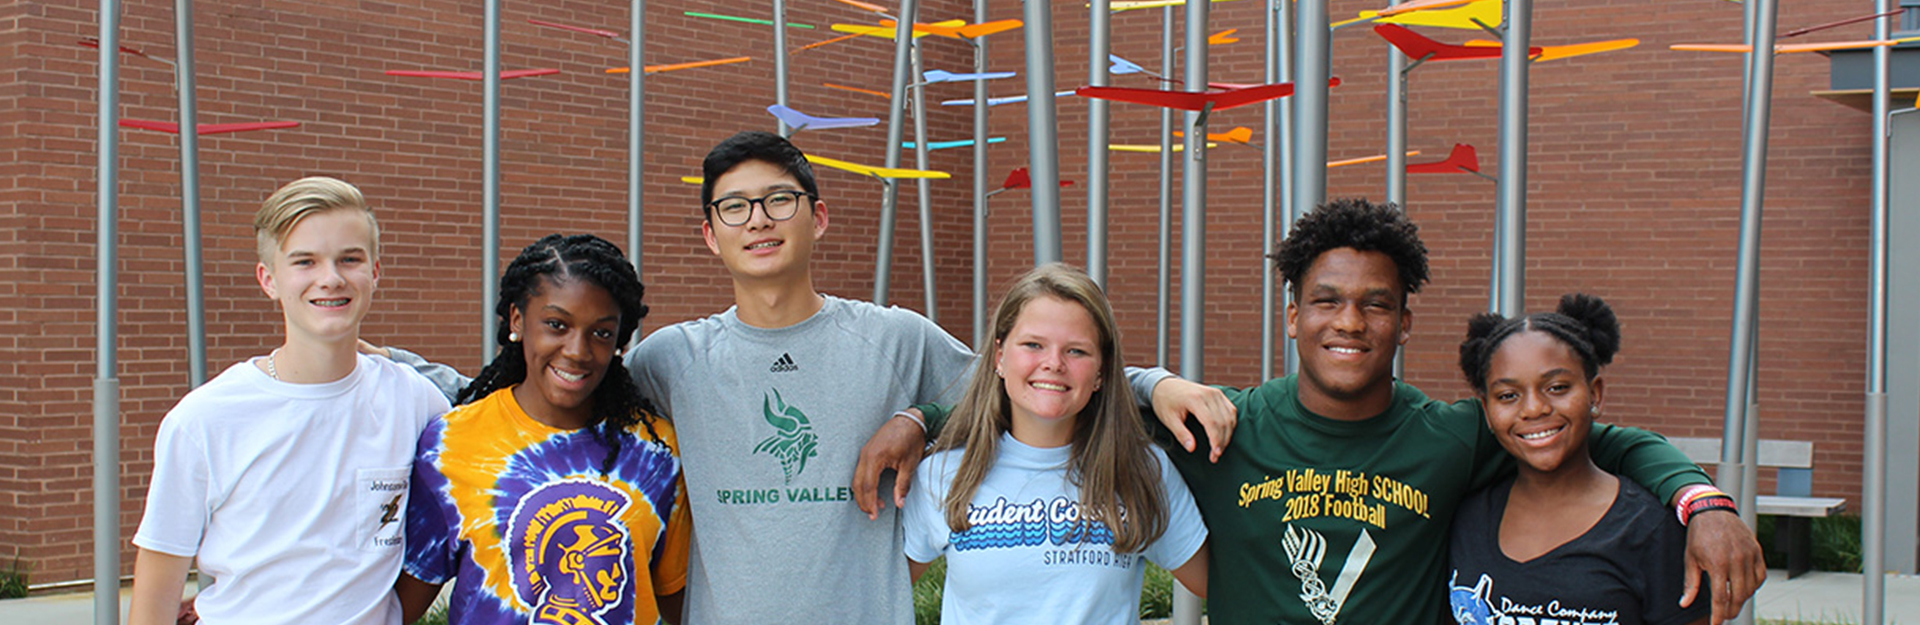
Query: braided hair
(617, 404)
(1358, 224)
(1583, 322)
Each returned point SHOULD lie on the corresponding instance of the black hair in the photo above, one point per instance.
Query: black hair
(754, 145)
(617, 404)
(1358, 224)
(1583, 322)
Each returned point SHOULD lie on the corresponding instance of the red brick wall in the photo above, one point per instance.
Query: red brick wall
(1634, 195)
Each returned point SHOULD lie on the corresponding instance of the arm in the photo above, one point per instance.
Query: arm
(1193, 574)
(1718, 544)
(445, 378)
(673, 607)
(1174, 399)
(158, 581)
(917, 569)
(901, 441)
(415, 597)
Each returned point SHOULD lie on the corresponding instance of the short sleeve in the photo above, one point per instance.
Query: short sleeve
(1186, 531)
(923, 520)
(670, 559)
(649, 362)
(179, 496)
(944, 363)
(432, 535)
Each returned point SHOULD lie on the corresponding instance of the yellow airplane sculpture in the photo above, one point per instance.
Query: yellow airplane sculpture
(1445, 14)
(1552, 53)
(654, 69)
(883, 173)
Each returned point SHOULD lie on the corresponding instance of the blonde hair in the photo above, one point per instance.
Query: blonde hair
(1118, 475)
(299, 200)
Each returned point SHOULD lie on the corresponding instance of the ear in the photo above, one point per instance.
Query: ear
(819, 219)
(265, 276)
(1599, 385)
(515, 320)
(1293, 316)
(1406, 324)
(376, 273)
(706, 232)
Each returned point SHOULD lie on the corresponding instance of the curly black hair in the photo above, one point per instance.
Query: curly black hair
(754, 145)
(1358, 224)
(617, 404)
(1583, 322)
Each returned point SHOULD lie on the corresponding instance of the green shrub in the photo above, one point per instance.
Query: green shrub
(927, 591)
(1836, 543)
(13, 582)
(1156, 597)
(435, 616)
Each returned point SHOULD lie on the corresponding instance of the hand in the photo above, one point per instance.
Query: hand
(898, 445)
(373, 350)
(187, 615)
(1174, 398)
(1722, 547)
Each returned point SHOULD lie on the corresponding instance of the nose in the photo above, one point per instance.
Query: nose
(1534, 406)
(575, 347)
(1347, 319)
(331, 277)
(758, 215)
(1054, 360)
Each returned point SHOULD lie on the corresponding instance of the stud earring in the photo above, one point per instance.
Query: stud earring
(513, 337)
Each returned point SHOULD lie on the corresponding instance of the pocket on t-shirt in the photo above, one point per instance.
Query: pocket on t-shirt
(381, 507)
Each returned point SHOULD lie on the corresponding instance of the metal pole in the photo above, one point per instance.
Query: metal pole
(1511, 208)
(1269, 191)
(1753, 185)
(490, 185)
(1310, 76)
(106, 384)
(922, 184)
(1043, 144)
(636, 136)
(980, 322)
(1397, 153)
(1164, 271)
(896, 128)
(1098, 46)
(190, 192)
(1873, 528)
(1283, 138)
(779, 60)
(1193, 242)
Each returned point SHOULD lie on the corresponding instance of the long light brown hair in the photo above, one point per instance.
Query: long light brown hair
(1110, 461)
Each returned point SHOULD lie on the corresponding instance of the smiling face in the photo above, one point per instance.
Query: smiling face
(323, 274)
(1350, 319)
(764, 249)
(1539, 402)
(569, 332)
(1050, 365)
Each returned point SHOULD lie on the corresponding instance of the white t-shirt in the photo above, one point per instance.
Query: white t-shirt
(1026, 558)
(292, 496)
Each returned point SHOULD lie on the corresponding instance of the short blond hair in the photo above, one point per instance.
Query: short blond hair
(301, 199)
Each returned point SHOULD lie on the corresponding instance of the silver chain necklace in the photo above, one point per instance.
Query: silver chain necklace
(273, 372)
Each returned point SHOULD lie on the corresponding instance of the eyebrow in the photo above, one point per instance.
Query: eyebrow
(778, 186)
(1550, 373)
(563, 311)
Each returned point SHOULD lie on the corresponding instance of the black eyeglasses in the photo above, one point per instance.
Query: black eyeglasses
(779, 205)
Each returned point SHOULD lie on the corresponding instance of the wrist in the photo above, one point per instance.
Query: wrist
(915, 418)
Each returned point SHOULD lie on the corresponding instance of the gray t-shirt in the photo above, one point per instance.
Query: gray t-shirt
(771, 422)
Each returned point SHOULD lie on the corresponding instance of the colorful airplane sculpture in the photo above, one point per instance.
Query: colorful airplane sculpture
(1192, 101)
(965, 31)
(1790, 48)
(1421, 49)
(1153, 149)
(1475, 15)
(1135, 5)
(933, 76)
(1554, 53)
(1015, 99)
(736, 18)
(205, 129)
(1223, 37)
(1240, 134)
(887, 32)
(801, 121)
(942, 145)
(1365, 159)
(94, 42)
(655, 69)
(1020, 179)
(857, 90)
(885, 174)
(504, 75)
(1462, 158)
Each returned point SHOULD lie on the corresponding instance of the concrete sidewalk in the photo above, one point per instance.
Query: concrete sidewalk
(1823, 598)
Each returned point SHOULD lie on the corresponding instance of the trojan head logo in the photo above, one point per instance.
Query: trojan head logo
(793, 441)
(569, 551)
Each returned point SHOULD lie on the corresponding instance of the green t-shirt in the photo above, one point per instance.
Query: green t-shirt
(1315, 520)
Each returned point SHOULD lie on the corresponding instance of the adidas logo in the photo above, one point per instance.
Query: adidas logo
(784, 364)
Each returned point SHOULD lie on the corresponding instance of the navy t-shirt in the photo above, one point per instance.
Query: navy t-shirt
(1628, 569)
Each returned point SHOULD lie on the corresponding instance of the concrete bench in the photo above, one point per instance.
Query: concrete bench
(1793, 502)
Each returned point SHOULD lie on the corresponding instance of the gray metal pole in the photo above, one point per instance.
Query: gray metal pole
(1283, 138)
(1164, 269)
(1873, 528)
(636, 137)
(1043, 144)
(1193, 242)
(1397, 153)
(490, 185)
(1753, 186)
(896, 130)
(980, 322)
(922, 185)
(106, 383)
(1269, 190)
(1511, 207)
(1098, 46)
(190, 192)
(1310, 76)
(779, 60)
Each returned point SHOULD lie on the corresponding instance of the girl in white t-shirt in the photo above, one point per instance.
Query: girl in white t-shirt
(1044, 492)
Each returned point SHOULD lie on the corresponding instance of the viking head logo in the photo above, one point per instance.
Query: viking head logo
(793, 441)
(569, 550)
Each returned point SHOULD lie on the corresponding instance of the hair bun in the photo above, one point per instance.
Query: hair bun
(1603, 327)
(1482, 325)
